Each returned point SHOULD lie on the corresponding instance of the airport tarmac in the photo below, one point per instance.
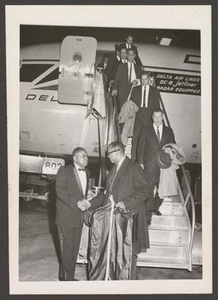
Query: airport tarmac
(38, 247)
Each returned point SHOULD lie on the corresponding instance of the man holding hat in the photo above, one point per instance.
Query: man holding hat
(151, 140)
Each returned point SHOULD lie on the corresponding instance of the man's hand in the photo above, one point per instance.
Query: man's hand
(135, 82)
(121, 205)
(114, 93)
(142, 166)
(83, 205)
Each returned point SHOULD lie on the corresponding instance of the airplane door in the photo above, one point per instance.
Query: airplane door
(76, 70)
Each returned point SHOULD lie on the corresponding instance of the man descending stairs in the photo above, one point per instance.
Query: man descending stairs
(170, 235)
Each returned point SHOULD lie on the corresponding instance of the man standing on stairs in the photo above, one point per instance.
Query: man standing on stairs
(129, 45)
(147, 98)
(128, 75)
(151, 140)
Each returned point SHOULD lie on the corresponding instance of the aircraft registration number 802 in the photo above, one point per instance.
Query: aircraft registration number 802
(52, 165)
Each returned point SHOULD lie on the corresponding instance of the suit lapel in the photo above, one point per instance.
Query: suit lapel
(163, 136)
(149, 96)
(125, 68)
(153, 133)
(77, 178)
(139, 98)
(120, 171)
(87, 184)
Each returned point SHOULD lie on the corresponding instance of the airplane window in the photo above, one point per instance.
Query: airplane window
(51, 76)
(28, 72)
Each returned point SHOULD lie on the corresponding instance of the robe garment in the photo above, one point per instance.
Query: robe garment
(121, 244)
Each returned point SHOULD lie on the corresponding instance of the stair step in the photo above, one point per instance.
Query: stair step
(171, 222)
(168, 255)
(155, 264)
(168, 237)
(171, 208)
(165, 252)
(175, 199)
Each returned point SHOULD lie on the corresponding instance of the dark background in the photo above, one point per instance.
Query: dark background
(32, 34)
(4, 274)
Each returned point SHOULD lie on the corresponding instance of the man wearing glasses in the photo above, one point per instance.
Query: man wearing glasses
(130, 190)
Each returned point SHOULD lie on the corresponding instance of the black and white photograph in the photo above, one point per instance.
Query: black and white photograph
(109, 149)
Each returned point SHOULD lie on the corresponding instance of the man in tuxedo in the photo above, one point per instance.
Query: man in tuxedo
(152, 138)
(129, 45)
(126, 77)
(147, 98)
(130, 190)
(71, 190)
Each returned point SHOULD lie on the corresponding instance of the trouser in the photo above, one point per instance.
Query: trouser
(134, 262)
(69, 239)
(134, 267)
(154, 202)
(142, 119)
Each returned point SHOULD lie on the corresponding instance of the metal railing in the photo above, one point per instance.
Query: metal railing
(189, 197)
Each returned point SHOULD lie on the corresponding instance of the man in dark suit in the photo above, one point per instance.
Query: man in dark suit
(120, 56)
(71, 191)
(126, 77)
(101, 67)
(152, 138)
(147, 98)
(130, 190)
(129, 45)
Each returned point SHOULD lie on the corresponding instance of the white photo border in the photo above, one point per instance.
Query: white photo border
(193, 17)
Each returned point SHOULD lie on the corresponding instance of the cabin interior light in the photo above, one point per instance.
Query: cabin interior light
(165, 41)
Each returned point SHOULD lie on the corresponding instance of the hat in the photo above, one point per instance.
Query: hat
(163, 159)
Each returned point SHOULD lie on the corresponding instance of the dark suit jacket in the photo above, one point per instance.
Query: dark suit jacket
(148, 147)
(131, 187)
(153, 102)
(137, 59)
(121, 82)
(69, 192)
(143, 115)
(112, 67)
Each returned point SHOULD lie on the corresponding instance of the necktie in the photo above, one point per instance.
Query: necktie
(158, 134)
(144, 98)
(130, 73)
(80, 169)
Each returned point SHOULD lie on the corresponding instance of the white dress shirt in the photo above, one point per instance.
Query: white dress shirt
(82, 177)
(133, 75)
(160, 130)
(146, 95)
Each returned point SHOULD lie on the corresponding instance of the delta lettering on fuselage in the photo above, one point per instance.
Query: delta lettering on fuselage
(179, 84)
(41, 97)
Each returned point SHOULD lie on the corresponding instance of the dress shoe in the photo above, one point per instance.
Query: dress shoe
(157, 213)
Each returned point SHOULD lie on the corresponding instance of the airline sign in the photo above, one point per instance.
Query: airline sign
(178, 84)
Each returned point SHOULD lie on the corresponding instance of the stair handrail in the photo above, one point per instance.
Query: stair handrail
(111, 108)
(188, 197)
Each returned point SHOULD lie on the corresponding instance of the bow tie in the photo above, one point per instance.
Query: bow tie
(79, 169)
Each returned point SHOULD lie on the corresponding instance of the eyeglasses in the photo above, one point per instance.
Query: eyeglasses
(112, 152)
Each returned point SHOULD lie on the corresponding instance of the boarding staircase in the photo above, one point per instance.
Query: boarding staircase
(174, 242)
